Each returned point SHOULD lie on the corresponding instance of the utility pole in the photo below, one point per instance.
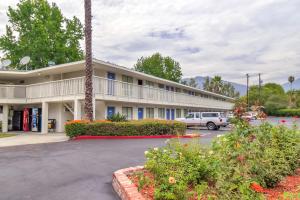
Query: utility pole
(247, 75)
(259, 88)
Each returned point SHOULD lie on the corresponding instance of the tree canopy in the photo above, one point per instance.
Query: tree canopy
(217, 85)
(157, 65)
(39, 30)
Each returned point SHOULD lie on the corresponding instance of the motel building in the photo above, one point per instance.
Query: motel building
(43, 100)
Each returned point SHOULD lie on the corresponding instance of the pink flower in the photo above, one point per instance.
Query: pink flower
(282, 121)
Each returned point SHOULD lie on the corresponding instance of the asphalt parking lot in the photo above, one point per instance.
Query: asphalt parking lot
(76, 170)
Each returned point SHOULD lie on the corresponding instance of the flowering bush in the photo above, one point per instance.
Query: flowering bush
(237, 165)
(128, 128)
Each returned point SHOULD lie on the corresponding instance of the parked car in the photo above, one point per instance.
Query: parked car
(211, 120)
(249, 116)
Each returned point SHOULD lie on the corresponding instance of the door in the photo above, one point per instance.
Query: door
(111, 83)
(140, 113)
(110, 111)
(168, 113)
(172, 114)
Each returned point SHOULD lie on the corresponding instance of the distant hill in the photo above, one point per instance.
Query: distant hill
(242, 89)
(296, 85)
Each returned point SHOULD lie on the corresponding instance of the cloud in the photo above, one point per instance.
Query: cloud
(208, 37)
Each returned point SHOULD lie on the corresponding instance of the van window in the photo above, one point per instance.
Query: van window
(191, 115)
(198, 115)
(210, 115)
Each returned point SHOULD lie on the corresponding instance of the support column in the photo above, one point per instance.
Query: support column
(60, 119)
(5, 118)
(45, 111)
(77, 109)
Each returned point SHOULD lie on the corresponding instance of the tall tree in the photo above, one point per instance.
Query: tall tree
(157, 65)
(291, 79)
(39, 30)
(88, 106)
(292, 100)
(218, 86)
(193, 83)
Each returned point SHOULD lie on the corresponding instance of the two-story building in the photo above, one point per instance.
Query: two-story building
(30, 99)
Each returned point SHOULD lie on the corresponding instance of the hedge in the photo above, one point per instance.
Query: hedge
(286, 112)
(129, 128)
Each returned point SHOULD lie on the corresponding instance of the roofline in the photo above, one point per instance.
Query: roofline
(114, 66)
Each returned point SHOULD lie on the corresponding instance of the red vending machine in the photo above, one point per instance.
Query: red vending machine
(26, 120)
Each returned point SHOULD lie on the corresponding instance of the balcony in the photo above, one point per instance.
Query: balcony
(121, 91)
(106, 89)
(12, 92)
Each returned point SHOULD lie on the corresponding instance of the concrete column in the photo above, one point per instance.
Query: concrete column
(45, 113)
(60, 122)
(5, 118)
(77, 109)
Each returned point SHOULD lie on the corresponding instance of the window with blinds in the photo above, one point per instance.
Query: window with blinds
(150, 113)
(127, 112)
(161, 113)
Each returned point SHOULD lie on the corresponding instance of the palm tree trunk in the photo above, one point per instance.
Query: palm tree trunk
(88, 106)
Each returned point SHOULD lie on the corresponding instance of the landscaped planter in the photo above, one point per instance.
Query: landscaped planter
(95, 137)
(128, 190)
(124, 186)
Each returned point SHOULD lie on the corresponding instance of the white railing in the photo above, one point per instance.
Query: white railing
(12, 91)
(131, 91)
(109, 89)
(65, 87)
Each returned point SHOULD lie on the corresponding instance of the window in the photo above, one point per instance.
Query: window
(150, 113)
(177, 90)
(189, 116)
(149, 83)
(127, 79)
(127, 85)
(1, 109)
(185, 112)
(197, 115)
(178, 113)
(127, 111)
(210, 115)
(161, 86)
(161, 113)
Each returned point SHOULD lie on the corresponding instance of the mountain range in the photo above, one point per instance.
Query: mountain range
(241, 88)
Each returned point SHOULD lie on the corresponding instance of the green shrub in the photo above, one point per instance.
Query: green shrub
(129, 128)
(286, 112)
(263, 154)
(117, 118)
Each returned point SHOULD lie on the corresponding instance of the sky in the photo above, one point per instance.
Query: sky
(207, 37)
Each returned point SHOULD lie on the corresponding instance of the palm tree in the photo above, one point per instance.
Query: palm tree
(291, 79)
(88, 106)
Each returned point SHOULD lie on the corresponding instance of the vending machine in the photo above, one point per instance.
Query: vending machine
(35, 120)
(26, 120)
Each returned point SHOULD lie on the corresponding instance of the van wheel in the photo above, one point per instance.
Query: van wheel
(211, 126)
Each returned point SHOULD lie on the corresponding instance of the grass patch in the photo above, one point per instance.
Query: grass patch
(3, 135)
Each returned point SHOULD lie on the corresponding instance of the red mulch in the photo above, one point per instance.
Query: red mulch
(290, 185)
(148, 190)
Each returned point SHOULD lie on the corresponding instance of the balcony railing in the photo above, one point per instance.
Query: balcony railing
(74, 86)
(12, 91)
(109, 89)
(123, 90)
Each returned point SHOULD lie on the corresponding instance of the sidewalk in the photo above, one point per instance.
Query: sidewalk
(32, 138)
